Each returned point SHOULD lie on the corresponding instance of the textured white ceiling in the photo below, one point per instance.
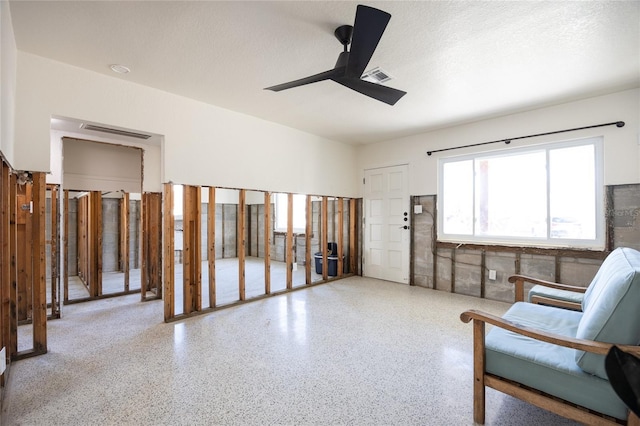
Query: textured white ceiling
(459, 61)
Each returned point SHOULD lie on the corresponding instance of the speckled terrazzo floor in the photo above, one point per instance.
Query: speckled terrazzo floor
(355, 351)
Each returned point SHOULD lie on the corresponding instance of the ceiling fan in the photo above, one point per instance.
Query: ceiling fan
(364, 36)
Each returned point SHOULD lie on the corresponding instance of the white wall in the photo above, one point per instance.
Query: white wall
(151, 158)
(93, 166)
(8, 54)
(622, 145)
(203, 144)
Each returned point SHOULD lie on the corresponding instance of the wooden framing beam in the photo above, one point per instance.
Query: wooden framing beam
(83, 244)
(192, 273)
(241, 242)
(288, 254)
(54, 259)
(168, 265)
(211, 245)
(39, 265)
(5, 263)
(267, 242)
(24, 253)
(13, 249)
(340, 265)
(352, 235)
(307, 239)
(324, 239)
(94, 238)
(151, 271)
(144, 246)
(65, 246)
(124, 238)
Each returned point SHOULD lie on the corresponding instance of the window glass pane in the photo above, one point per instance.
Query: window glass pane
(457, 198)
(299, 209)
(572, 193)
(281, 211)
(299, 212)
(511, 196)
(542, 195)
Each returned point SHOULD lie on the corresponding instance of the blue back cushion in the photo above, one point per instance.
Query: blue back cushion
(611, 307)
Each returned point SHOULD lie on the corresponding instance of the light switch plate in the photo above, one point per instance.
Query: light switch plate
(3, 360)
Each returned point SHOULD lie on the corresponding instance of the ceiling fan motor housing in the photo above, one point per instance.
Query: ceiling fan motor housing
(343, 33)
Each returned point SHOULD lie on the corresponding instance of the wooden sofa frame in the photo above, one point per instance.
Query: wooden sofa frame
(482, 378)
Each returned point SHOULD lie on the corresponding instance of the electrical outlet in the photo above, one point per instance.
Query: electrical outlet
(492, 274)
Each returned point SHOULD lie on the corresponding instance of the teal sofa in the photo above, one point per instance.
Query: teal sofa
(554, 358)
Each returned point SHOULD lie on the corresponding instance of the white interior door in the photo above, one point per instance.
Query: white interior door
(386, 224)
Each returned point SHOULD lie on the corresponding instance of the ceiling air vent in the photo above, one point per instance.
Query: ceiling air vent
(376, 75)
(114, 131)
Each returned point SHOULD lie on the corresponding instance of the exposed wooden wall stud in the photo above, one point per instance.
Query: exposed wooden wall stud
(39, 265)
(211, 245)
(324, 239)
(267, 242)
(65, 246)
(13, 248)
(307, 239)
(169, 263)
(124, 238)
(7, 293)
(352, 235)
(192, 282)
(340, 236)
(241, 242)
(289, 242)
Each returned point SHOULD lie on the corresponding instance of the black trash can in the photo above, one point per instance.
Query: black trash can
(331, 260)
(332, 249)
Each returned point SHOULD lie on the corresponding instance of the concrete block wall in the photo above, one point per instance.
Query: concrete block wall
(423, 234)
(47, 233)
(135, 229)
(110, 235)
(72, 245)
(625, 215)
(460, 270)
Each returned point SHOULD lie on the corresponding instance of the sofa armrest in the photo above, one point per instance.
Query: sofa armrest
(519, 281)
(592, 346)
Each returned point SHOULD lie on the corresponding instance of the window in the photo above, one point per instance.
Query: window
(299, 212)
(545, 195)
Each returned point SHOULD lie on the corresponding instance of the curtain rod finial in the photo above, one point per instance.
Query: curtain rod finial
(620, 124)
(429, 153)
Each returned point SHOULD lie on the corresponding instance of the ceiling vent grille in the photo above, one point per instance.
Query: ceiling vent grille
(376, 75)
(114, 131)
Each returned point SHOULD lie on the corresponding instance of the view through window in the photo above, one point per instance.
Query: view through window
(299, 212)
(544, 195)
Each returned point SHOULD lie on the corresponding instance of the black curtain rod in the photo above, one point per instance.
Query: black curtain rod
(508, 141)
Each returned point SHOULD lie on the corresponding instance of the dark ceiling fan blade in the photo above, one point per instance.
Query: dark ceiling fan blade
(368, 28)
(326, 75)
(385, 94)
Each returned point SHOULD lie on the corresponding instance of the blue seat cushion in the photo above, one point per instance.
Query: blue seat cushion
(549, 368)
(611, 307)
(554, 293)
